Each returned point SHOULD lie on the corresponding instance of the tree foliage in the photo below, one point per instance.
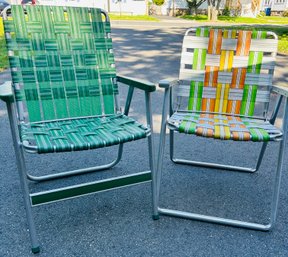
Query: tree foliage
(193, 5)
(158, 2)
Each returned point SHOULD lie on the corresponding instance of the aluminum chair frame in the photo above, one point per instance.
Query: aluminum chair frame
(168, 85)
(69, 192)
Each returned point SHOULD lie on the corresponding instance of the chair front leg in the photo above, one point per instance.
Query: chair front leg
(23, 181)
(161, 147)
(277, 183)
(151, 152)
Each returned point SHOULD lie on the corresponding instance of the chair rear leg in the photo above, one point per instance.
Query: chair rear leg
(79, 171)
(215, 165)
(260, 157)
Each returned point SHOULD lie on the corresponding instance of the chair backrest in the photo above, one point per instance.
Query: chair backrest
(226, 71)
(62, 62)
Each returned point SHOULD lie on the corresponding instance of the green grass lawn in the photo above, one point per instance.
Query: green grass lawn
(271, 23)
(132, 17)
(268, 23)
(258, 20)
(281, 31)
(243, 20)
(3, 55)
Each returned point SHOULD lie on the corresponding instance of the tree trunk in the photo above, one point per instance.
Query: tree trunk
(209, 13)
(214, 14)
(193, 11)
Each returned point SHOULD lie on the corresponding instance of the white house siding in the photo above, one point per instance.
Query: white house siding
(133, 7)
(182, 4)
(275, 5)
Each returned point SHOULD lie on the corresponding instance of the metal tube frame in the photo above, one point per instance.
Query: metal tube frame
(151, 154)
(19, 152)
(78, 171)
(64, 174)
(214, 219)
(23, 182)
(217, 165)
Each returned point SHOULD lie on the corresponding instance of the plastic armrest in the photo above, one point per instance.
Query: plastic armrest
(281, 90)
(166, 83)
(6, 93)
(141, 84)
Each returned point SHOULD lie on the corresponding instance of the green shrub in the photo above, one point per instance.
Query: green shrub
(261, 14)
(158, 2)
(226, 12)
(3, 54)
(285, 13)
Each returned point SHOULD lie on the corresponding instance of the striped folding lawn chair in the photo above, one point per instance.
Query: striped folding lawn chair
(225, 81)
(64, 97)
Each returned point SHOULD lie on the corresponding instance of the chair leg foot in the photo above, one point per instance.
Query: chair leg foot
(156, 217)
(35, 249)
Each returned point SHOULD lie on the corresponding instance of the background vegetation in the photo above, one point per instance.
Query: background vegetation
(275, 24)
(259, 20)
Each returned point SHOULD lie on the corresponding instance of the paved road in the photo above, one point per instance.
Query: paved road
(118, 223)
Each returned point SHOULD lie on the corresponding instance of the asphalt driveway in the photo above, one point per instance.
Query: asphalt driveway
(119, 223)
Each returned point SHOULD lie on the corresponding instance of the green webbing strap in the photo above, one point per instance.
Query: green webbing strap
(254, 66)
(224, 127)
(82, 134)
(63, 61)
(198, 63)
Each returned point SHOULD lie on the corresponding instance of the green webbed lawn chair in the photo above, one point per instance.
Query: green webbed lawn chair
(225, 75)
(64, 96)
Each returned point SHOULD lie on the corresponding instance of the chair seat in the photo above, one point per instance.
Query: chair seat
(224, 126)
(81, 134)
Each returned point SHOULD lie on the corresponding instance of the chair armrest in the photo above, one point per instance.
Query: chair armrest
(281, 90)
(6, 93)
(166, 83)
(140, 84)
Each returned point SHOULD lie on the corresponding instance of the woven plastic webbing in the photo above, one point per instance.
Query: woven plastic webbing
(227, 71)
(82, 134)
(62, 62)
(224, 127)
